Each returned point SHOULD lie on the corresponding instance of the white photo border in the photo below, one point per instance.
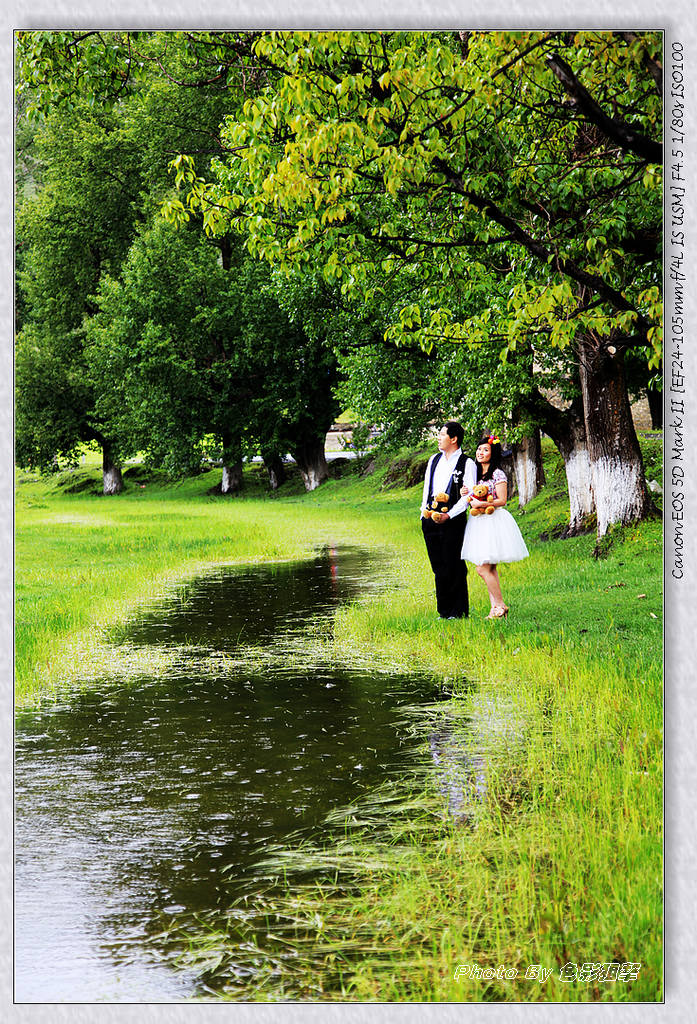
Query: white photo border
(678, 22)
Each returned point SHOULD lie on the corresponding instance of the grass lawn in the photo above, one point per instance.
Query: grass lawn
(563, 862)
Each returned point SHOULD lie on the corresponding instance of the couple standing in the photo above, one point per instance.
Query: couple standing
(450, 538)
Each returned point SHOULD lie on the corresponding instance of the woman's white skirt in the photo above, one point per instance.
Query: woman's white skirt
(493, 539)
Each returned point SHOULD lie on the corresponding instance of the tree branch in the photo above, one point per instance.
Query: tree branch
(620, 132)
(564, 265)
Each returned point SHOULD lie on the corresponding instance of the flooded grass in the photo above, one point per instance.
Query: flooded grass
(461, 863)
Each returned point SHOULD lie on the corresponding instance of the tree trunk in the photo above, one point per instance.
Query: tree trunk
(275, 469)
(507, 467)
(579, 479)
(527, 465)
(111, 473)
(619, 484)
(225, 251)
(232, 463)
(655, 400)
(312, 462)
(567, 428)
(232, 478)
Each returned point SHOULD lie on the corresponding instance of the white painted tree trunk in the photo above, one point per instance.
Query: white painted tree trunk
(579, 482)
(275, 469)
(619, 484)
(312, 463)
(527, 466)
(112, 481)
(274, 479)
(232, 478)
(312, 477)
(620, 487)
(567, 428)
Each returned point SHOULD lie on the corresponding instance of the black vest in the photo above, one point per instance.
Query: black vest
(456, 482)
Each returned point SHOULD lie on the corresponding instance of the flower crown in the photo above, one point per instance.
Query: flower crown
(493, 439)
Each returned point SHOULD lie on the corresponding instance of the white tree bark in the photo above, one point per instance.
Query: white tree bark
(275, 469)
(312, 477)
(579, 482)
(232, 478)
(111, 479)
(312, 463)
(527, 466)
(567, 428)
(524, 468)
(619, 485)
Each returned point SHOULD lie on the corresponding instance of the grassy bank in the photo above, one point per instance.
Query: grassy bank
(559, 863)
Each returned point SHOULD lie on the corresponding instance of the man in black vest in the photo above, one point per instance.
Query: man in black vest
(446, 473)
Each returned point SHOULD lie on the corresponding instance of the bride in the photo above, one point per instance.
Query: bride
(494, 538)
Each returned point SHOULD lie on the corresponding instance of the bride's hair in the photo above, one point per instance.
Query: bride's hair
(495, 462)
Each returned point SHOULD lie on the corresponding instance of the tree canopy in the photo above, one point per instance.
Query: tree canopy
(506, 187)
(137, 336)
(522, 168)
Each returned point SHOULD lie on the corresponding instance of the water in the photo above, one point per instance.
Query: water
(153, 801)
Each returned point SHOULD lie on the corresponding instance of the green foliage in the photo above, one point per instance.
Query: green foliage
(359, 443)
(652, 453)
(189, 349)
(49, 400)
(462, 162)
(64, 69)
(405, 390)
(154, 344)
(499, 191)
(155, 327)
(464, 195)
(389, 389)
(94, 169)
(75, 226)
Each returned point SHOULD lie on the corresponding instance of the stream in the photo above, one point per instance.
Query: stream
(155, 797)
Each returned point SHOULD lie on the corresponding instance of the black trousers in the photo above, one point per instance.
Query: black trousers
(444, 547)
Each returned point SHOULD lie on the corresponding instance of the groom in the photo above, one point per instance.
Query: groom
(446, 472)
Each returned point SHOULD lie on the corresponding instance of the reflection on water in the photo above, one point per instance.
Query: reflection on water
(130, 800)
(230, 607)
(461, 775)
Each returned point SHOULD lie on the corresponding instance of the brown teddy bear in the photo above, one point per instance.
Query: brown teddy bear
(434, 512)
(481, 491)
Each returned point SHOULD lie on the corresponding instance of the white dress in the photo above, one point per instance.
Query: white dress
(494, 538)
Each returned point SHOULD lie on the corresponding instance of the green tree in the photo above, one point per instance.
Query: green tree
(291, 325)
(508, 182)
(521, 168)
(161, 93)
(161, 333)
(196, 349)
(76, 225)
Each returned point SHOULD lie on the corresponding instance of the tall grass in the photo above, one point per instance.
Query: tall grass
(558, 858)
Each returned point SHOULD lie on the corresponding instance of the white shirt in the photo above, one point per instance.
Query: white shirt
(441, 479)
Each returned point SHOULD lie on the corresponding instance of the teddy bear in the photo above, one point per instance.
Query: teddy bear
(434, 512)
(481, 491)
